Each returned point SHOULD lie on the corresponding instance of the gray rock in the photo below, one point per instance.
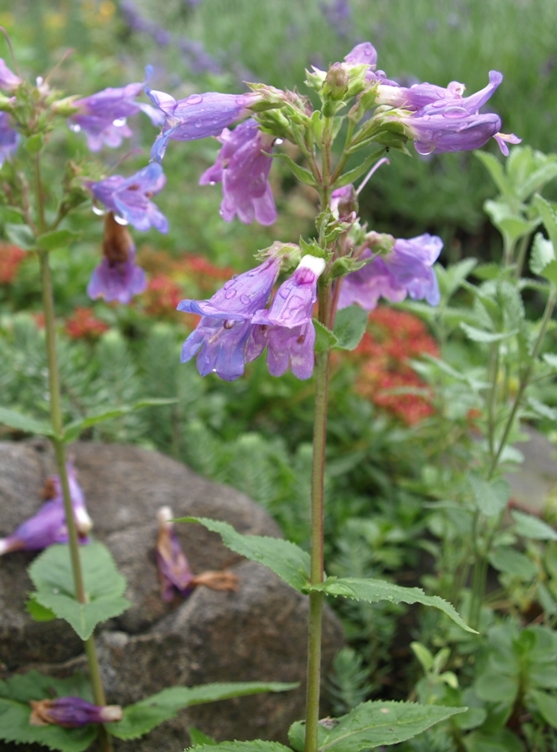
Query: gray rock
(255, 634)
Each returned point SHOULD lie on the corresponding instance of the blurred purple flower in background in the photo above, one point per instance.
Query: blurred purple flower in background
(117, 277)
(174, 570)
(406, 270)
(8, 79)
(9, 138)
(48, 525)
(71, 712)
(338, 13)
(243, 169)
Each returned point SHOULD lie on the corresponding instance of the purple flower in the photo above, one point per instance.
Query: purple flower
(366, 54)
(71, 712)
(197, 116)
(8, 79)
(287, 328)
(117, 277)
(128, 198)
(406, 270)
(48, 526)
(9, 138)
(174, 570)
(243, 169)
(103, 116)
(221, 336)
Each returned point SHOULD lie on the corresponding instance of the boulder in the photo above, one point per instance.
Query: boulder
(255, 634)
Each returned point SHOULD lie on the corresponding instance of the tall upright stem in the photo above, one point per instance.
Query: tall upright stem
(60, 455)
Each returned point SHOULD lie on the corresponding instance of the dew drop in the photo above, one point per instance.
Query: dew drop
(241, 101)
(121, 220)
(75, 127)
(455, 112)
(98, 211)
(229, 294)
(279, 141)
(424, 149)
(199, 124)
(227, 284)
(119, 122)
(212, 182)
(283, 293)
(228, 324)
(55, 590)
(194, 99)
(245, 299)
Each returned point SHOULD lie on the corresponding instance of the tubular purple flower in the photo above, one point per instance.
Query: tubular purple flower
(8, 79)
(287, 328)
(174, 570)
(103, 116)
(129, 198)
(406, 270)
(197, 116)
(364, 53)
(117, 277)
(243, 169)
(71, 712)
(9, 138)
(48, 526)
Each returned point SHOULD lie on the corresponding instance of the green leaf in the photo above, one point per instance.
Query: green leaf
(15, 711)
(490, 497)
(11, 214)
(546, 704)
(542, 258)
(34, 143)
(373, 724)
(532, 527)
(198, 737)
(350, 326)
(548, 214)
(104, 586)
(550, 359)
(480, 335)
(300, 172)
(324, 338)
(38, 612)
(50, 241)
(452, 277)
(285, 559)
(373, 591)
(365, 166)
(256, 746)
(512, 562)
(495, 169)
(141, 717)
(20, 235)
(24, 423)
(542, 409)
(509, 222)
(73, 430)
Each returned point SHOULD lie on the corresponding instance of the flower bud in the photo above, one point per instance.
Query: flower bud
(336, 82)
(71, 712)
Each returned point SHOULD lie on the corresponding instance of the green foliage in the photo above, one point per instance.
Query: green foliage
(284, 558)
(51, 574)
(255, 746)
(15, 711)
(141, 717)
(350, 325)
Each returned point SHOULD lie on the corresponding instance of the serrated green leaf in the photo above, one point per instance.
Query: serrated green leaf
(20, 235)
(490, 497)
(256, 746)
(300, 172)
(452, 277)
(285, 559)
(548, 214)
(350, 326)
(297, 735)
(512, 562)
(542, 258)
(532, 527)
(38, 612)
(198, 738)
(373, 591)
(50, 241)
(325, 339)
(141, 717)
(15, 711)
(373, 724)
(23, 422)
(480, 335)
(104, 585)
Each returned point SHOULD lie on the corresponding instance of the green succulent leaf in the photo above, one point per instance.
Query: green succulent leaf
(285, 559)
(104, 586)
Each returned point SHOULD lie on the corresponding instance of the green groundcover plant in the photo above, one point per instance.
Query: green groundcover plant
(300, 304)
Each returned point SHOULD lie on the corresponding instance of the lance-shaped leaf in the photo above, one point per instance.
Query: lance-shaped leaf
(22, 422)
(15, 711)
(104, 586)
(50, 241)
(373, 724)
(141, 717)
(255, 746)
(372, 591)
(74, 429)
(286, 559)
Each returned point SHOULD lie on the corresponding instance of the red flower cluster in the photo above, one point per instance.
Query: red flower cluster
(394, 337)
(162, 296)
(10, 260)
(84, 325)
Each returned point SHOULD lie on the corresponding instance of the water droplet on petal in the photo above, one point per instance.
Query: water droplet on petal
(424, 149)
(455, 112)
(98, 211)
(227, 284)
(194, 99)
(199, 124)
(279, 141)
(119, 122)
(245, 299)
(241, 101)
(229, 294)
(121, 220)
(212, 182)
(228, 324)
(75, 127)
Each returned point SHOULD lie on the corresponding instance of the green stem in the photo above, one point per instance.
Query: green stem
(59, 452)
